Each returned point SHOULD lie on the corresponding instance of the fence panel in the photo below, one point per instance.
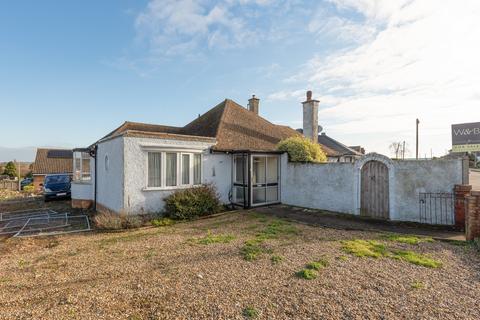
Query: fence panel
(437, 208)
(9, 184)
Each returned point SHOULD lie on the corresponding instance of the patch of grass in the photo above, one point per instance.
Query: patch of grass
(162, 222)
(317, 265)
(260, 216)
(214, 238)
(364, 248)
(417, 285)
(250, 313)
(307, 274)
(276, 259)
(343, 258)
(416, 258)
(251, 250)
(408, 239)
(276, 229)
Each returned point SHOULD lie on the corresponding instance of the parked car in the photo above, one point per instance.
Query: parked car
(57, 186)
(25, 182)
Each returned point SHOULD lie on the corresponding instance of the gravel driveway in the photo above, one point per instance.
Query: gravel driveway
(198, 270)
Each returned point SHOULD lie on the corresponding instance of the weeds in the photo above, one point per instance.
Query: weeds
(162, 222)
(307, 274)
(364, 248)
(317, 265)
(276, 259)
(414, 240)
(417, 285)
(214, 238)
(416, 258)
(374, 249)
(250, 312)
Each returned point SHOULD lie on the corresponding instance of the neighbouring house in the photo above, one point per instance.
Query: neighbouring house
(51, 161)
(134, 167)
(337, 151)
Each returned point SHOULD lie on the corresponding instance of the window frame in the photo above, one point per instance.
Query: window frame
(83, 177)
(179, 169)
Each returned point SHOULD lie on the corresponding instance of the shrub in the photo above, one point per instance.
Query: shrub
(301, 149)
(114, 221)
(192, 202)
(108, 221)
(29, 189)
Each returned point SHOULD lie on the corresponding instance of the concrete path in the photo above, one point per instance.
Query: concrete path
(475, 179)
(350, 222)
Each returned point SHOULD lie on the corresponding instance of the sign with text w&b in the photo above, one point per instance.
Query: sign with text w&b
(466, 137)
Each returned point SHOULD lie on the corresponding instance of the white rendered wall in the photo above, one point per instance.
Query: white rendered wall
(139, 199)
(327, 186)
(336, 186)
(110, 181)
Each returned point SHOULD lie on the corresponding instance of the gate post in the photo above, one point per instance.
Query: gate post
(462, 191)
(473, 216)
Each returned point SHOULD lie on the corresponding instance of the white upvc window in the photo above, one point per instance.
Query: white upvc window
(81, 166)
(171, 169)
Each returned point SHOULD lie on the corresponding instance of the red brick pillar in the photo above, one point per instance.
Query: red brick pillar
(473, 216)
(462, 191)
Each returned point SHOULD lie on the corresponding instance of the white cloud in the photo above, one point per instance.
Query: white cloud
(423, 62)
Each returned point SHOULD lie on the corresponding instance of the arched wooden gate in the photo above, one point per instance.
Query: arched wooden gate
(374, 190)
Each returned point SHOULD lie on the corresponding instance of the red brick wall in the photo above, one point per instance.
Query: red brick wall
(461, 193)
(473, 216)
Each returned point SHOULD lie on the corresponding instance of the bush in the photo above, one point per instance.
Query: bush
(108, 221)
(192, 202)
(29, 189)
(301, 149)
(114, 221)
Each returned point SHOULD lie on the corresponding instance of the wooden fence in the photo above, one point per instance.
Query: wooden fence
(9, 184)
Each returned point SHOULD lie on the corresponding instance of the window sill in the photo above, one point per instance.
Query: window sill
(82, 182)
(147, 189)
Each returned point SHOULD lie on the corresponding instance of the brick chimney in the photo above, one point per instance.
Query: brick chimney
(310, 117)
(253, 104)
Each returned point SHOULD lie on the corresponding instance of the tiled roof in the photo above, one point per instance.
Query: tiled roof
(233, 126)
(50, 165)
(338, 147)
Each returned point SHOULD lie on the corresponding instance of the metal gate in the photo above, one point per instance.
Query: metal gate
(374, 190)
(437, 208)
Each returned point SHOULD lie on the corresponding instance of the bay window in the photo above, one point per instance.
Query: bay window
(173, 169)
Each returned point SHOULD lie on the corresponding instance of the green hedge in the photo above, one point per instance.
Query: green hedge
(192, 202)
(301, 149)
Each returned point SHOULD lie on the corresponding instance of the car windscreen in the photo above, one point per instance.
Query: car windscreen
(57, 179)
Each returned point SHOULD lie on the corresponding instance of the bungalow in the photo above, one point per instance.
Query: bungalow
(134, 167)
(50, 161)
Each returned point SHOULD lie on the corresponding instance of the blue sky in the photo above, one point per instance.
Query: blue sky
(71, 71)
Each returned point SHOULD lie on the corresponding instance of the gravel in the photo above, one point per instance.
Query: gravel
(160, 273)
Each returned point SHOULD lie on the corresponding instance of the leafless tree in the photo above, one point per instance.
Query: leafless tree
(399, 149)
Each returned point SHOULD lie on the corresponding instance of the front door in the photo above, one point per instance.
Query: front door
(265, 179)
(374, 190)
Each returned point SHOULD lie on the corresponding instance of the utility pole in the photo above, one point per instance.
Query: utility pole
(416, 151)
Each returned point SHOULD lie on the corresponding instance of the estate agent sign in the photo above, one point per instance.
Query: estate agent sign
(466, 137)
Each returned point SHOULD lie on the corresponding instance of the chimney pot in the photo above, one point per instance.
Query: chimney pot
(309, 95)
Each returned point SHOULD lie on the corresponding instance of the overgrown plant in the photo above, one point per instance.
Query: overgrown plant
(193, 202)
(301, 149)
(114, 221)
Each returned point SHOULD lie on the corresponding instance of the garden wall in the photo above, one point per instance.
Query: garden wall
(337, 186)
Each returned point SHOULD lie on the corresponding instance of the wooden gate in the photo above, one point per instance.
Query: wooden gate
(374, 190)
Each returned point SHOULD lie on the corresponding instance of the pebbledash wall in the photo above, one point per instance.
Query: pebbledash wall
(336, 186)
(216, 169)
(122, 174)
